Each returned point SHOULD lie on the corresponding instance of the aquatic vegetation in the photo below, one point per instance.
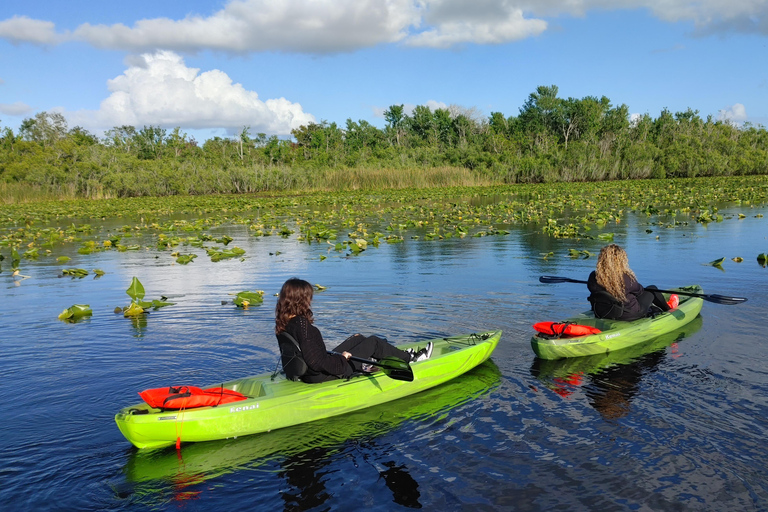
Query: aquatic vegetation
(74, 272)
(76, 312)
(561, 210)
(137, 306)
(183, 259)
(246, 299)
(218, 255)
(718, 263)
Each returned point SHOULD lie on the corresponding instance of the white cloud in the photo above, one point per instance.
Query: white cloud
(22, 29)
(305, 26)
(452, 22)
(734, 114)
(331, 26)
(15, 109)
(160, 90)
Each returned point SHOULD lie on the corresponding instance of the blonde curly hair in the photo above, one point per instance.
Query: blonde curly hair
(612, 266)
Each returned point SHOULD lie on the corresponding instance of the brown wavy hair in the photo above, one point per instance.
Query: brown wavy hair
(295, 300)
(612, 266)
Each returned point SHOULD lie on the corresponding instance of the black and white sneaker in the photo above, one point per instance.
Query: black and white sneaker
(423, 354)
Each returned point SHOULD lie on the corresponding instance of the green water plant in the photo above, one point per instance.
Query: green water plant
(718, 263)
(218, 255)
(183, 259)
(246, 299)
(138, 306)
(76, 312)
(74, 272)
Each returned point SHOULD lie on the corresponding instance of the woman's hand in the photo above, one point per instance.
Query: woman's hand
(346, 355)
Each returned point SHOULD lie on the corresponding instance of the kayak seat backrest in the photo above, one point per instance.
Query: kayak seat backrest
(291, 357)
(605, 305)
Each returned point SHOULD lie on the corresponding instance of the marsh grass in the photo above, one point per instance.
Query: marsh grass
(389, 178)
(15, 193)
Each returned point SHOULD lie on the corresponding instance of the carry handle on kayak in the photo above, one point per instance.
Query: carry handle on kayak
(392, 367)
(717, 299)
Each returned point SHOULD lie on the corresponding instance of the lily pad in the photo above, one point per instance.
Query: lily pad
(246, 299)
(717, 263)
(76, 312)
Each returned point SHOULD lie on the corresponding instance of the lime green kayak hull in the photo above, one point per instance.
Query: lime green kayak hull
(199, 461)
(279, 403)
(618, 335)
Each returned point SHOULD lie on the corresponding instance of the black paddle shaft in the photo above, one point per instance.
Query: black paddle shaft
(717, 299)
(392, 367)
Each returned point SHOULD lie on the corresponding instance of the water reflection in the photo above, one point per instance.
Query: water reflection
(306, 475)
(304, 451)
(610, 381)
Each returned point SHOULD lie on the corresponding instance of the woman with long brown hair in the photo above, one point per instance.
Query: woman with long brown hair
(615, 292)
(293, 314)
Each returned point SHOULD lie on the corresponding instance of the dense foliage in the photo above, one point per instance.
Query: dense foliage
(551, 140)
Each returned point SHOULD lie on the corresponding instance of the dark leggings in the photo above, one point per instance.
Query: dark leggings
(370, 347)
(651, 296)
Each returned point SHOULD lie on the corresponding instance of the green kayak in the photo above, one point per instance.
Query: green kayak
(199, 461)
(279, 402)
(616, 334)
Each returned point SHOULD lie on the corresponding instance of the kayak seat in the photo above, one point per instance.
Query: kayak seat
(605, 305)
(293, 362)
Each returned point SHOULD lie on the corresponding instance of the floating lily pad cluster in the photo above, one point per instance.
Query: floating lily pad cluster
(356, 221)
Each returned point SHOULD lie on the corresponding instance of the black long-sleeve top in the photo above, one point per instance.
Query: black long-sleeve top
(315, 354)
(632, 290)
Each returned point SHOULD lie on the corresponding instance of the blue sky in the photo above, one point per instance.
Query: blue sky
(213, 68)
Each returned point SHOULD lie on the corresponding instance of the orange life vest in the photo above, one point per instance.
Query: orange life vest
(560, 329)
(187, 397)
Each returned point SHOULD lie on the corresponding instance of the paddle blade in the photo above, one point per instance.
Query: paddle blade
(396, 369)
(723, 299)
(556, 279)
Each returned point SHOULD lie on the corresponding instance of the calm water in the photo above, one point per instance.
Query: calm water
(679, 425)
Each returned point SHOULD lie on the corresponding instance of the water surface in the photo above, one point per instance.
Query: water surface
(679, 425)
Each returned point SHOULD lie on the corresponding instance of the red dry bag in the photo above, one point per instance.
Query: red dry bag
(560, 329)
(187, 397)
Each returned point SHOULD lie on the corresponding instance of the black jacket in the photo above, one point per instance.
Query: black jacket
(606, 305)
(321, 365)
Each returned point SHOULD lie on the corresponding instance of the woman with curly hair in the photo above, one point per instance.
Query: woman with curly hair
(293, 314)
(614, 291)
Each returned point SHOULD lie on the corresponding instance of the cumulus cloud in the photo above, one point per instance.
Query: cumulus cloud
(22, 29)
(331, 26)
(451, 22)
(305, 26)
(159, 89)
(15, 109)
(734, 114)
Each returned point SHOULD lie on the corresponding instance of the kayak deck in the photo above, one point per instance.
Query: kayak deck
(275, 402)
(618, 334)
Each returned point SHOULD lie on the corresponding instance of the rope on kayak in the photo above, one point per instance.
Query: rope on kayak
(180, 426)
(468, 340)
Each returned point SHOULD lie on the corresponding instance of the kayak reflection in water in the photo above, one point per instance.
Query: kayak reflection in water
(616, 386)
(614, 291)
(306, 474)
(293, 314)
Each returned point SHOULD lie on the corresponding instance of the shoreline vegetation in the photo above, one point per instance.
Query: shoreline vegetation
(551, 140)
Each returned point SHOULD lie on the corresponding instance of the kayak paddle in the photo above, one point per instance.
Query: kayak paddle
(392, 367)
(717, 299)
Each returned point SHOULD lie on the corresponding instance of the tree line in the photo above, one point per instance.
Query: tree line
(551, 139)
